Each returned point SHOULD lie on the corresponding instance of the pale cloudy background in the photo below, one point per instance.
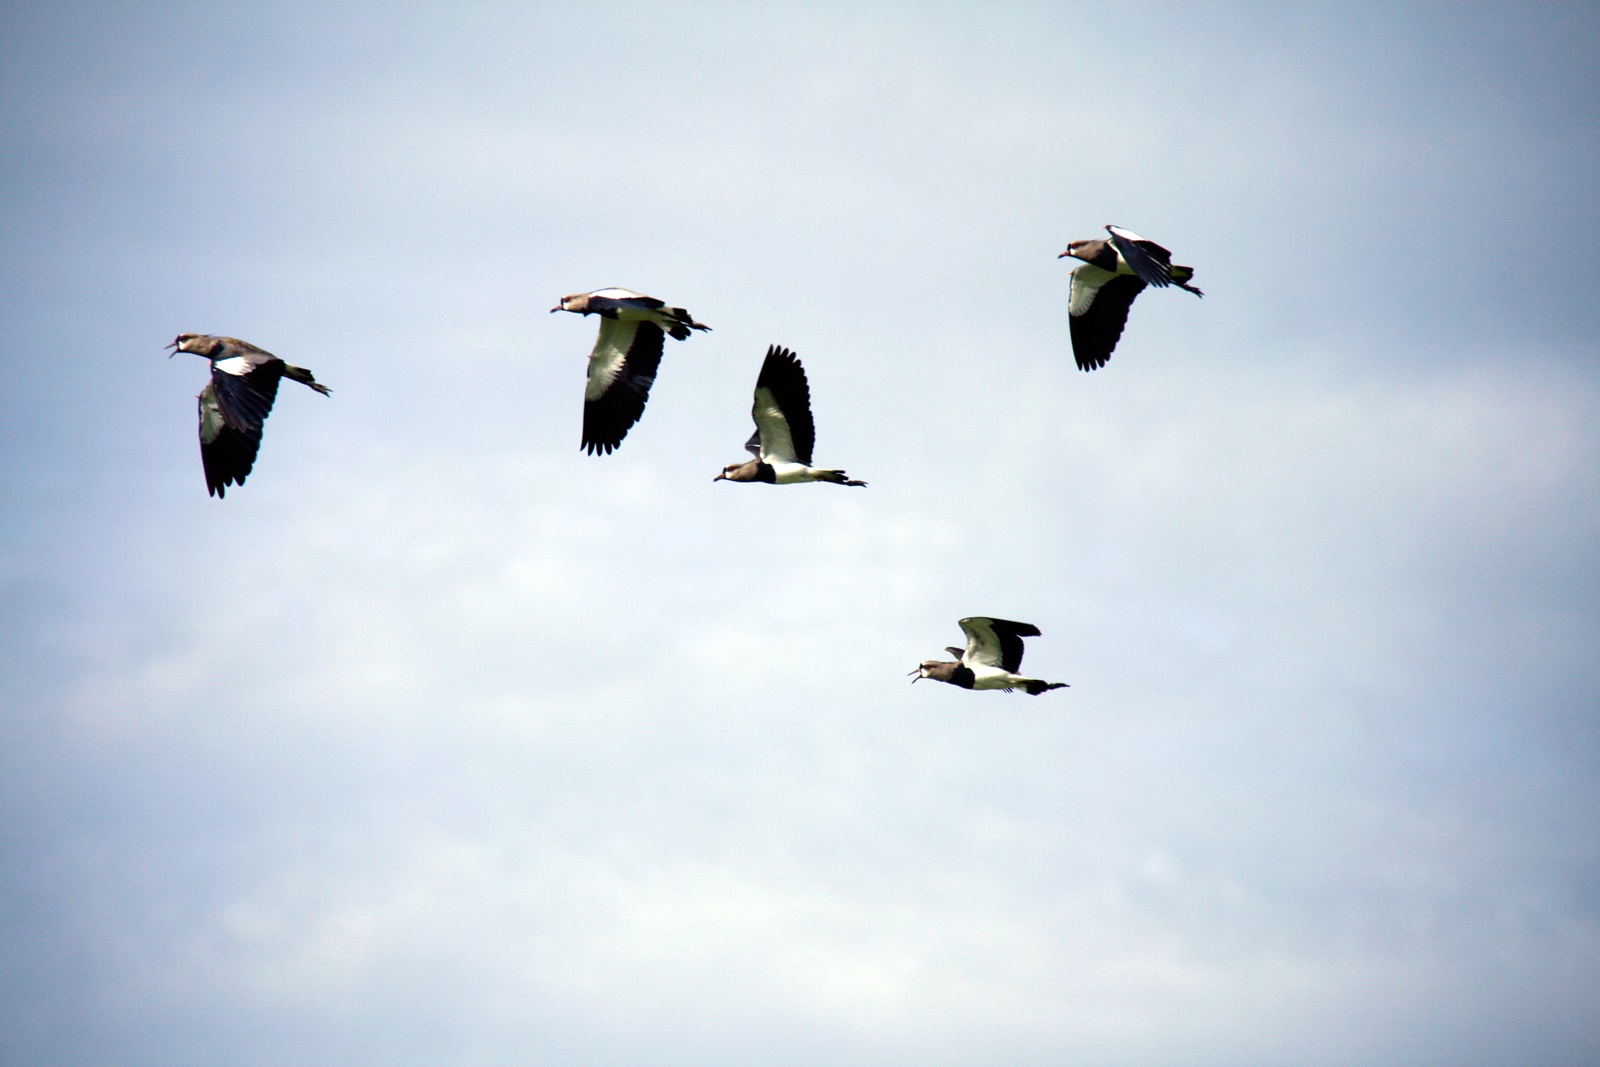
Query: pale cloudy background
(439, 742)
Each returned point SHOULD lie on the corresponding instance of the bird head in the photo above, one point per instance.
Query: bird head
(1074, 248)
(186, 342)
(578, 302)
(740, 472)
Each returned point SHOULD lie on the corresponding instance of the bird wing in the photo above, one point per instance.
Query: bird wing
(782, 409)
(244, 387)
(1148, 260)
(227, 451)
(996, 642)
(1098, 311)
(622, 368)
(602, 301)
(753, 446)
(233, 408)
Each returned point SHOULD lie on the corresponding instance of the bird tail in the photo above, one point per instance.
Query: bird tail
(300, 374)
(1034, 686)
(683, 324)
(1180, 278)
(837, 478)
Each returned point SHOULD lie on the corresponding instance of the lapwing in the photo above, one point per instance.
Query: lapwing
(1114, 272)
(784, 431)
(235, 403)
(622, 366)
(990, 660)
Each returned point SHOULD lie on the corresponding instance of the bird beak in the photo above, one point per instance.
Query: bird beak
(174, 347)
(721, 476)
(916, 675)
(1064, 255)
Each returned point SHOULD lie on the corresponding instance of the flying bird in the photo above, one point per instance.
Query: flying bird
(784, 433)
(990, 661)
(1114, 272)
(622, 366)
(235, 403)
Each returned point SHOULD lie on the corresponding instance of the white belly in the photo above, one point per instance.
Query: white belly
(789, 473)
(984, 677)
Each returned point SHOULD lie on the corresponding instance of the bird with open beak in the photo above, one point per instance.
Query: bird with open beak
(235, 403)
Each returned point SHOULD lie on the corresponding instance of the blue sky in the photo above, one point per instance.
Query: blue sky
(441, 742)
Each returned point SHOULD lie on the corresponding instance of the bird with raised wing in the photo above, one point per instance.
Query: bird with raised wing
(784, 433)
(235, 402)
(990, 661)
(1114, 271)
(623, 365)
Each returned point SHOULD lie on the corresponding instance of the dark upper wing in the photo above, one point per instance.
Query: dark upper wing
(622, 368)
(244, 388)
(786, 405)
(996, 642)
(227, 451)
(232, 407)
(1148, 260)
(1098, 312)
(602, 301)
(753, 446)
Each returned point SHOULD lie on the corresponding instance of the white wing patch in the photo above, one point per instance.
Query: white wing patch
(610, 353)
(1086, 283)
(777, 443)
(238, 366)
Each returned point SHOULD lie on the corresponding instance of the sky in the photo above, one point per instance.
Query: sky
(442, 742)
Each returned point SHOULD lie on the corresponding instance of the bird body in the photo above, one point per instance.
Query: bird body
(991, 659)
(1114, 271)
(785, 434)
(626, 355)
(625, 305)
(235, 403)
